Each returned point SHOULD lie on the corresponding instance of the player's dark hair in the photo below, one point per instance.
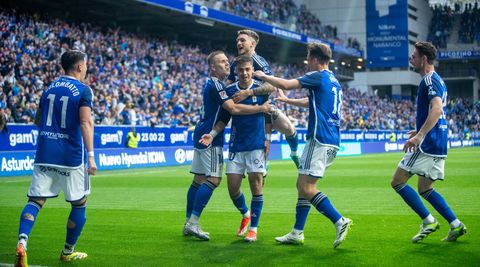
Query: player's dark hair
(321, 52)
(212, 55)
(426, 49)
(250, 33)
(242, 60)
(71, 58)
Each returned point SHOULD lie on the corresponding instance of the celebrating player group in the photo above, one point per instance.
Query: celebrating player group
(239, 93)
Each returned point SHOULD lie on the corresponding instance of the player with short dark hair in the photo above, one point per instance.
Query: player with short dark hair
(64, 158)
(426, 149)
(323, 139)
(247, 150)
(207, 162)
(247, 41)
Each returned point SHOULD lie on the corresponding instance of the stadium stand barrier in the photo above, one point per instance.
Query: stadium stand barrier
(161, 146)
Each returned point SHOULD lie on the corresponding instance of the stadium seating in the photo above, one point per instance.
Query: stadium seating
(150, 81)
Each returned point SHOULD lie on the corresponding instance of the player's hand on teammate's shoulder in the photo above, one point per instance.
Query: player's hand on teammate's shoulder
(206, 139)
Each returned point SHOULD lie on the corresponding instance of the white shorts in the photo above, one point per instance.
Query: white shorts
(47, 181)
(316, 158)
(208, 162)
(246, 161)
(422, 164)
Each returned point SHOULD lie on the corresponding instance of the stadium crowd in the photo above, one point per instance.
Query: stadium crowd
(286, 14)
(442, 22)
(149, 81)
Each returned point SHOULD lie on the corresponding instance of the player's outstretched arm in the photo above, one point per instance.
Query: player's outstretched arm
(301, 102)
(207, 139)
(278, 82)
(86, 126)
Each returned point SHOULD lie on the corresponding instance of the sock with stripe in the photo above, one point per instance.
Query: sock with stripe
(292, 142)
(75, 224)
(192, 191)
(411, 197)
(202, 197)
(439, 203)
(239, 202)
(27, 220)
(256, 210)
(302, 209)
(323, 205)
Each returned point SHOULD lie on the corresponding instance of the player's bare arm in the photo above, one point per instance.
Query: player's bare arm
(300, 102)
(263, 89)
(278, 82)
(433, 115)
(86, 126)
(207, 139)
(241, 109)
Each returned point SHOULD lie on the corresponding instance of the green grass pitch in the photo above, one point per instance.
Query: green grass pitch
(135, 218)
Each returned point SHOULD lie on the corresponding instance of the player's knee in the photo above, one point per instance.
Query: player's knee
(199, 179)
(82, 203)
(39, 202)
(214, 180)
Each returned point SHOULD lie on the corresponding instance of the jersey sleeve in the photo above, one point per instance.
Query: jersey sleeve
(266, 69)
(309, 80)
(218, 94)
(224, 116)
(87, 98)
(231, 76)
(434, 90)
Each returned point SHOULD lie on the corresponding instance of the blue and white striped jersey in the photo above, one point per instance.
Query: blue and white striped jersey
(259, 63)
(435, 141)
(248, 131)
(60, 142)
(214, 96)
(325, 106)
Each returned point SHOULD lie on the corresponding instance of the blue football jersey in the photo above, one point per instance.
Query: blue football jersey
(435, 141)
(259, 63)
(248, 131)
(211, 112)
(60, 142)
(325, 106)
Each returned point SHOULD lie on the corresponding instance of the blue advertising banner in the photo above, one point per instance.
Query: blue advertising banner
(205, 12)
(24, 137)
(387, 33)
(468, 54)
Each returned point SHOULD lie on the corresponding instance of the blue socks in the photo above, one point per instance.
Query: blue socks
(323, 205)
(239, 202)
(411, 197)
(27, 219)
(202, 197)
(303, 207)
(75, 224)
(256, 210)
(439, 203)
(192, 191)
(292, 142)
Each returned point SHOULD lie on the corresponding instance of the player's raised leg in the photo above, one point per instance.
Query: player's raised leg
(281, 123)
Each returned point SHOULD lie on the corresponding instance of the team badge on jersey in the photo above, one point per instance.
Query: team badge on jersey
(223, 95)
(431, 91)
